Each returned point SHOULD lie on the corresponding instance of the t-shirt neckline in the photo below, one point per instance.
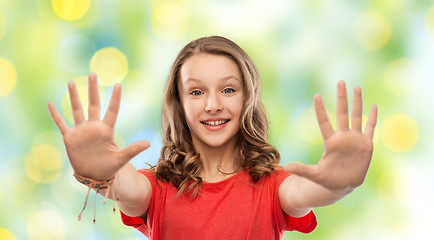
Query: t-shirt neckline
(224, 180)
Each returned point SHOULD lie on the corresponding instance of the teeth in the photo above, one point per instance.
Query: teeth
(215, 123)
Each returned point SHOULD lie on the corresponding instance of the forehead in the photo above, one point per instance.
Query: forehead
(205, 67)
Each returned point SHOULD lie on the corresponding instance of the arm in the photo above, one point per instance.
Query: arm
(344, 164)
(134, 191)
(93, 153)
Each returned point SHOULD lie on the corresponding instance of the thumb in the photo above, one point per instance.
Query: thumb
(302, 170)
(133, 149)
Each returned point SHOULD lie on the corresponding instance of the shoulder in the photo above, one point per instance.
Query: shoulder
(150, 175)
(275, 178)
(279, 175)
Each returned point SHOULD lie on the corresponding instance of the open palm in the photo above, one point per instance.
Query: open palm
(90, 144)
(347, 151)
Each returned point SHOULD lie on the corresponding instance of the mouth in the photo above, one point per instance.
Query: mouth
(215, 123)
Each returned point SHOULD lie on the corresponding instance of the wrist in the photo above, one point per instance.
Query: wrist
(92, 183)
(97, 185)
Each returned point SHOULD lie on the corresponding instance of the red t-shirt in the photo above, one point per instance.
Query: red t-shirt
(235, 208)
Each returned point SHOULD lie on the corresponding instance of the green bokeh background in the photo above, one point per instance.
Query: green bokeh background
(300, 48)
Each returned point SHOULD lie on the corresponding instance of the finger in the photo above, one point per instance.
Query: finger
(321, 115)
(113, 108)
(57, 118)
(342, 107)
(94, 104)
(372, 121)
(133, 149)
(77, 109)
(356, 114)
(302, 170)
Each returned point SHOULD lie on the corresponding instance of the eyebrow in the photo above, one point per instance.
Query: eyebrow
(227, 78)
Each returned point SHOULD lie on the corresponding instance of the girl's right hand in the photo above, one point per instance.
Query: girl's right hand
(90, 144)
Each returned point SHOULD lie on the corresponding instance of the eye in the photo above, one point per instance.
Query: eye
(196, 93)
(229, 90)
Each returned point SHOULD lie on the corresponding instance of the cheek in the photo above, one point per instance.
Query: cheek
(240, 103)
(190, 111)
(236, 106)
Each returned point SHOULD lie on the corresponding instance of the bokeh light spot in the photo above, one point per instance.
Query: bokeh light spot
(6, 235)
(170, 21)
(110, 64)
(372, 31)
(44, 164)
(82, 88)
(47, 157)
(390, 187)
(8, 78)
(70, 9)
(46, 224)
(402, 76)
(399, 132)
(429, 20)
(3, 25)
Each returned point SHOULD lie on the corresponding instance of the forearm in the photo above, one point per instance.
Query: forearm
(301, 195)
(134, 190)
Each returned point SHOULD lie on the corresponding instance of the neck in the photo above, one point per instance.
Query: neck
(218, 163)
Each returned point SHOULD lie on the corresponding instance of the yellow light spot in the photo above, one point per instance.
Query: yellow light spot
(8, 78)
(402, 76)
(70, 9)
(308, 127)
(372, 31)
(6, 235)
(45, 224)
(82, 88)
(170, 21)
(3, 25)
(44, 164)
(390, 188)
(110, 64)
(47, 157)
(429, 20)
(399, 132)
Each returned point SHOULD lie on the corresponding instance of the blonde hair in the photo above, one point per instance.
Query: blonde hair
(179, 163)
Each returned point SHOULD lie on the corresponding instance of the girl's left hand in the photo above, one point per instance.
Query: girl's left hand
(347, 151)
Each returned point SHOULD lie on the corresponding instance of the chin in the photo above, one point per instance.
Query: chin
(215, 144)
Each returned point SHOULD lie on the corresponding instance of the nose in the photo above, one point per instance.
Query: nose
(213, 104)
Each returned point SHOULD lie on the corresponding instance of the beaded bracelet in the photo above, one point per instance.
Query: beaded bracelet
(97, 185)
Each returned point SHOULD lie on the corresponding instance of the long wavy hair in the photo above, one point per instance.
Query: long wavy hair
(179, 164)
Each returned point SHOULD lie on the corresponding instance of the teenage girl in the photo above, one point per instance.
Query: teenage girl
(217, 176)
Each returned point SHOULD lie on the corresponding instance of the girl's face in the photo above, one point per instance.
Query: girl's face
(211, 92)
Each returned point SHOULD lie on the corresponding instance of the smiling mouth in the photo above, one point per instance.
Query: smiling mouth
(215, 123)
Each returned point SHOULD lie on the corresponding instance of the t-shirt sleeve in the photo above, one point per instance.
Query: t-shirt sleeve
(143, 224)
(305, 224)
